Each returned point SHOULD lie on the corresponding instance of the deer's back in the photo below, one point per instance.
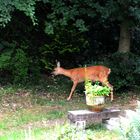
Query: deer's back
(95, 73)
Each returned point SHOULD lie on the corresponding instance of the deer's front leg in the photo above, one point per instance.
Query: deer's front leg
(72, 90)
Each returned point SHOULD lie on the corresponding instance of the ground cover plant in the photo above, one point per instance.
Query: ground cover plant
(39, 112)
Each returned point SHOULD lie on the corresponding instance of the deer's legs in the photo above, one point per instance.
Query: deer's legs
(72, 90)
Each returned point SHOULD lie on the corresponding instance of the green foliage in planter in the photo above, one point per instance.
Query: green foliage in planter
(96, 89)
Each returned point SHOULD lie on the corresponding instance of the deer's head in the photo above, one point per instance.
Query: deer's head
(57, 70)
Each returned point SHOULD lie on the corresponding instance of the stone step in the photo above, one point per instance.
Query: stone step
(90, 117)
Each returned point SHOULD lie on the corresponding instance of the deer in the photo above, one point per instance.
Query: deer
(77, 75)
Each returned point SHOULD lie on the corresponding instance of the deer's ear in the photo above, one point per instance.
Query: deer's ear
(58, 64)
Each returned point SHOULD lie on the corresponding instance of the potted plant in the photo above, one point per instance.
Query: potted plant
(95, 95)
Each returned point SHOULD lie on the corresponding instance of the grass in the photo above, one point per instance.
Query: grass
(40, 112)
(59, 132)
(28, 134)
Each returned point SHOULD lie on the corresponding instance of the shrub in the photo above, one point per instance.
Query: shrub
(70, 132)
(130, 126)
(20, 66)
(17, 65)
(14, 61)
(123, 70)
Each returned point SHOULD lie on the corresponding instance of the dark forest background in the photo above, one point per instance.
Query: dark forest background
(34, 34)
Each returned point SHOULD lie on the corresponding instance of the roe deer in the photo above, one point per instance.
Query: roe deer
(95, 73)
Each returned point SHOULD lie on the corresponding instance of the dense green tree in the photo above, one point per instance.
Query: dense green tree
(16, 59)
(8, 6)
(82, 13)
(72, 27)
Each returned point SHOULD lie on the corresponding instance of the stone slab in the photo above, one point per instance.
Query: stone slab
(89, 116)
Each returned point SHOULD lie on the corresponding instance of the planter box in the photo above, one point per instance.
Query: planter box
(95, 103)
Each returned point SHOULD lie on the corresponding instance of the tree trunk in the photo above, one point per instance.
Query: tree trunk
(124, 42)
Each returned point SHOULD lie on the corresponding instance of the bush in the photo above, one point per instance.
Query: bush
(16, 64)
(64, 44)
(20, 66)
(70, 132)
(130, 126)
(124, 70)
